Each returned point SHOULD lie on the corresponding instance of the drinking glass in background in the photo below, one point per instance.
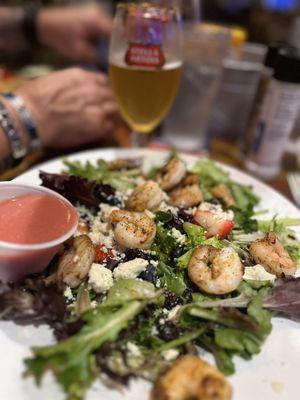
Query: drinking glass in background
(205, 47)
(236, 93)
(145, 62)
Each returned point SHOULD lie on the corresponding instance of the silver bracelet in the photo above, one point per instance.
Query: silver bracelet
(26, 119)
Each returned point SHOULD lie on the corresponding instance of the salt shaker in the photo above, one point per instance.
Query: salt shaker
(277, 116)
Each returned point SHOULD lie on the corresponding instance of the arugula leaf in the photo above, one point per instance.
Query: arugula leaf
(129, 289)
(244, 196)
(210, 175)
(277, 225)
(237, 340)
(72, 360)
(243, 219)
(230, 317)
(171, 278)
(223, 358)
(120, 180)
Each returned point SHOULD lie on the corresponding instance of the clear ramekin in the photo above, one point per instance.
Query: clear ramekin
(20, 260)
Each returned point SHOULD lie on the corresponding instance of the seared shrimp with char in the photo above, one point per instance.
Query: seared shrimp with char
(215, 271)
(187, 194)
(270, 253)
(132, 230)
(147, 196)
(192, 378)
(171, 174)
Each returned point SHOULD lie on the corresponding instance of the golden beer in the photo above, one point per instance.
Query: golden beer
(145, 96)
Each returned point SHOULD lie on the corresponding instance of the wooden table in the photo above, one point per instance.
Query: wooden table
(222, 151)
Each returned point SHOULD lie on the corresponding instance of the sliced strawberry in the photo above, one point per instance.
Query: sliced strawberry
(102, 255)
(214, 224)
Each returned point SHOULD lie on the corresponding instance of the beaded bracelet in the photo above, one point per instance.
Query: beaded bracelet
(26, 119)
(18, 150)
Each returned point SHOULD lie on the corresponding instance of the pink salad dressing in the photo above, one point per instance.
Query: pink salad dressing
(35, 218)
(33, 225)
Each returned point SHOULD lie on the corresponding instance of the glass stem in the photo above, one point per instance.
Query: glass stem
(140, 140)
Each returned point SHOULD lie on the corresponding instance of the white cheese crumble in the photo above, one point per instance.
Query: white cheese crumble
(180, 237)
(130, 269)
(68, 293)
(258, 273)
(133, 349)
(165, 207)
(154, 263)
(173, 314)
(101, 233)
(100, 278)
(105, 210)
(170, 355)
(217, 210)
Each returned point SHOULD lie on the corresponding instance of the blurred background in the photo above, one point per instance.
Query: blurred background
(219, 92)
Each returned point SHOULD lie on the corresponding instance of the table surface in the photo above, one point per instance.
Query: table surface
(223, 151)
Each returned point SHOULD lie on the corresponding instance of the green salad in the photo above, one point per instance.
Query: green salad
(166, 264)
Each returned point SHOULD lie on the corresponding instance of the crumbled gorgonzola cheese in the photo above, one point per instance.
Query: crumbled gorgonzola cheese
(180, 237)
(68, 293)
(217, 210)
(100, 278)
(101, 233)
(172, 315)
(258, 273)
(130, 269)
(170, 355)
(105, 211)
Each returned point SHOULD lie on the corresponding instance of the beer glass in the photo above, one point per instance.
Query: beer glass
(145, 62)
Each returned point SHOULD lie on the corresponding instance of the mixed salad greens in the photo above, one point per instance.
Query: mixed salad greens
(139, 324)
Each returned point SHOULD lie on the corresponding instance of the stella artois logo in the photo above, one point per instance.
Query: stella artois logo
(141, 55)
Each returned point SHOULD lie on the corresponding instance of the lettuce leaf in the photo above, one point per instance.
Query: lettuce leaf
(171, 279)
(72, 360)
(120, 180)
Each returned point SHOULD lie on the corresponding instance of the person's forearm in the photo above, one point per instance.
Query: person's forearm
(11, 30)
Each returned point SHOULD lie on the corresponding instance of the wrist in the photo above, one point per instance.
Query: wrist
(17, 122)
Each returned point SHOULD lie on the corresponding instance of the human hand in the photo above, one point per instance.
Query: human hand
(73, 31)
(71, 107)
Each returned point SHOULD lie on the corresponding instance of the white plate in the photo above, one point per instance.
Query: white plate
(273, 374)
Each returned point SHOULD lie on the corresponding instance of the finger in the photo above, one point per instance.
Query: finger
(96, 95)
(103, 24)
(85, 51)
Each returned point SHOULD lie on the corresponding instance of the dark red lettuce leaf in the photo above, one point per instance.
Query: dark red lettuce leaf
(80, 190)
(32, 302)
(285, 298)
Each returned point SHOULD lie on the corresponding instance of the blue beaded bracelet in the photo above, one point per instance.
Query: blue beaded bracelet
(18, 150)
(26, 119)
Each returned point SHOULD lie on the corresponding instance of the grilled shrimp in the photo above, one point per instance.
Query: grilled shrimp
(222, 193)
(132, 230)
(74, 265)
(171, 174)
(147, 196)
(124, 164)
(191, 378)
(187, 194)
(270, 253)
(215, 271)
(216, 222)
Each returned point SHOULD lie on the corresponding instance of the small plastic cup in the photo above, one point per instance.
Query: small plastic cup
(20, 260)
